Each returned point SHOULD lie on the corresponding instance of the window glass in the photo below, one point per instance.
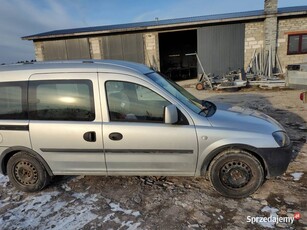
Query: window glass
(144, 94)
(297, 44)
(181, 94)
(13, 100)
(134, 103)
(304, 43)
(62, 100)
(294, 44)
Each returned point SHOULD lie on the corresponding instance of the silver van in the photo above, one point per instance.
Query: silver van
(123, 118)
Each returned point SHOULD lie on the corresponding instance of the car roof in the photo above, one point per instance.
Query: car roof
(18, 72)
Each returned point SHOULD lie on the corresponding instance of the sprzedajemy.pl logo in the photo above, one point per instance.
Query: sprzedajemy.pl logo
(273, 219)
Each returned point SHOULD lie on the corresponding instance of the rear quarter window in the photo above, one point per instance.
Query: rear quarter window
(68, 100)
(13, 100)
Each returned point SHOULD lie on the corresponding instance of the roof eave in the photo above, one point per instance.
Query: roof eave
(157, 27)
(132, 29)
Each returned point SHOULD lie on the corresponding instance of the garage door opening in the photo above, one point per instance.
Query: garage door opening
(173, 47)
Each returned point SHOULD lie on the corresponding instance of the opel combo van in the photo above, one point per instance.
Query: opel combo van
(123, 118)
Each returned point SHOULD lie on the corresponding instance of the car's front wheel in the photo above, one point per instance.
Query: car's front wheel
(236, 173)
(26, 173)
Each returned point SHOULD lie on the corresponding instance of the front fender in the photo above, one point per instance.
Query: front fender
(208, 153)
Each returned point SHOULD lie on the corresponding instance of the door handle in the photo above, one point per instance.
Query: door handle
(90, 136)
(115, 136)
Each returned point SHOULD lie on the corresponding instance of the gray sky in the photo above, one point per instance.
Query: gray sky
(20, 18)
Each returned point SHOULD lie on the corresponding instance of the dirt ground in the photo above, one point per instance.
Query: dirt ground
(89, 202)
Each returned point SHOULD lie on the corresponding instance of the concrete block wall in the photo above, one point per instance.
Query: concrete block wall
(95, 47)
(254, 39)
(38, 48)
(286, 27)
(270, 6)
(270, 34)
(270, 27)
(151, 50)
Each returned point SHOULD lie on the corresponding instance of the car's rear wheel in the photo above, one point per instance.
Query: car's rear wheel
(26, 173)
(199, 86)
(236, 173)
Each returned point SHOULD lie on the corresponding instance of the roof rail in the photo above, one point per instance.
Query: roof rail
(87, 61)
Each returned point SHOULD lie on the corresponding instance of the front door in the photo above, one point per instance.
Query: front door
(136, 139)
(65, 122)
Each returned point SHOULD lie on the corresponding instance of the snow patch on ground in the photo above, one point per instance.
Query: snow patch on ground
(47, 211)
(130, 225)
(273, 213)
(66, 187)
(4, 180)
(297, 175)
(59, 210)
(117, 208)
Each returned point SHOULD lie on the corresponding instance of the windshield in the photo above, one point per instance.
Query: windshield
(180, 93)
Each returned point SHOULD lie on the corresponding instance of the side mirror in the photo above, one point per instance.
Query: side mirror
(170, 114)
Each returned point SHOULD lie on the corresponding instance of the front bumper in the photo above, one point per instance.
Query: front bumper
(276, 159)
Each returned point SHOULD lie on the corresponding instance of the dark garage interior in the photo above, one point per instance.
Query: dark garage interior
(173, 47)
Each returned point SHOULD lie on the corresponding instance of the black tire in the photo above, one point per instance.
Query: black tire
(26, 173)
(236, 173)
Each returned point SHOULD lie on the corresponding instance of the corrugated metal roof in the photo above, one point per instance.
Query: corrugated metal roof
(292, 9)
(161, 23)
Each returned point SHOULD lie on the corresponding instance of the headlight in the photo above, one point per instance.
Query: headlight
(281, 138)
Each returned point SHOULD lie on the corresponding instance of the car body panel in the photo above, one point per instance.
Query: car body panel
(61, 143)
(14, 133)
(239, 118)
(211, 139)
(147, 148)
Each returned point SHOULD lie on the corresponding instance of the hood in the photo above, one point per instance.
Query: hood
(240, 118)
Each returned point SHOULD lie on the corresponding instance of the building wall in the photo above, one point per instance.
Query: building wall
(95, 48)
(254, 40)
(38, 47)
(129, 47)
(221, 48)
(270, 28)
(286, 26)
(151, 49)
(270, 34)
(63, 49)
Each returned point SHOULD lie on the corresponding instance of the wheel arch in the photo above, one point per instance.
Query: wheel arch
(9, 152)
(252, 150)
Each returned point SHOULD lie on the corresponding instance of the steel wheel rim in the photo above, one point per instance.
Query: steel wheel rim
(25, 173)
(235, 174)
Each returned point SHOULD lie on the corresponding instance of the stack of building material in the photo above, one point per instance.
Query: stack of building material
(263, 64)
(264, 69)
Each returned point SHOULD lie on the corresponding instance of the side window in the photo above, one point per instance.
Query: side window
(294, 44)
(134, 103)
(13, 100)
(67, 100)
(297, 44)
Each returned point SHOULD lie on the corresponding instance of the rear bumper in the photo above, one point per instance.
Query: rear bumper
(276, 159)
